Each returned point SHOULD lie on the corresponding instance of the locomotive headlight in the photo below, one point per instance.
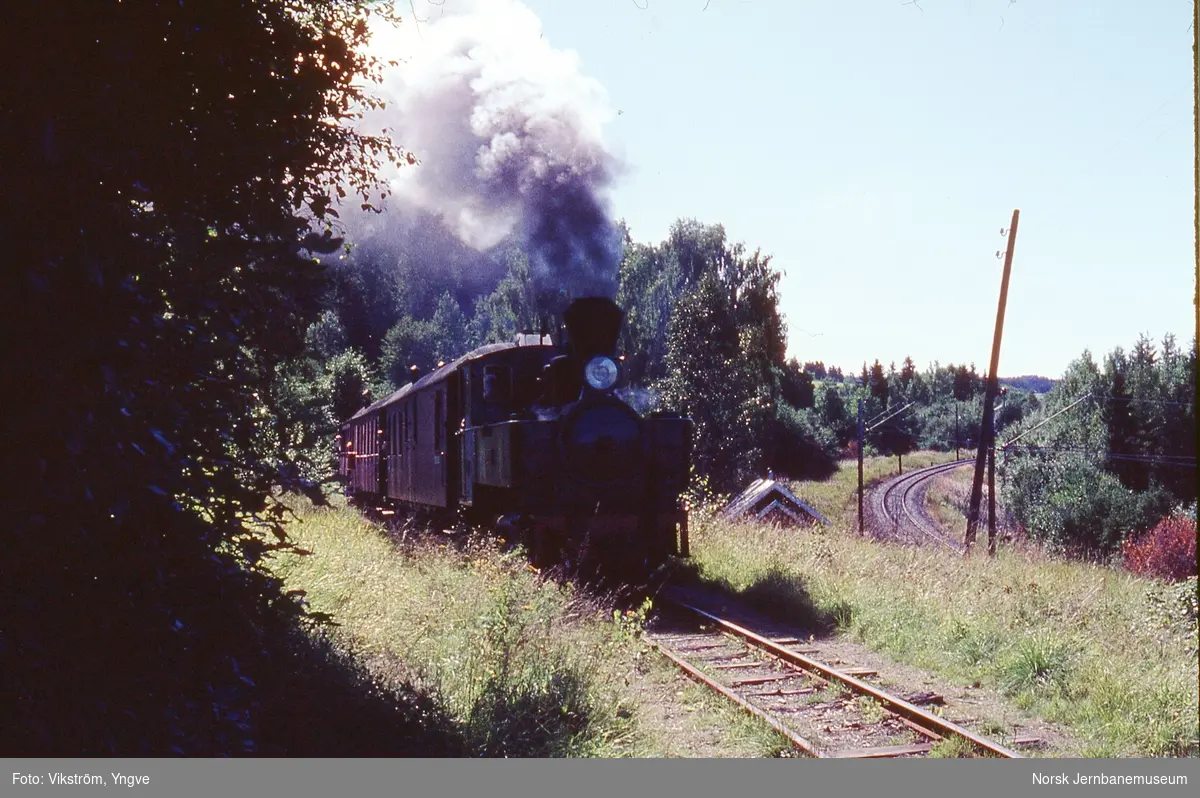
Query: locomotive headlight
(601, 373)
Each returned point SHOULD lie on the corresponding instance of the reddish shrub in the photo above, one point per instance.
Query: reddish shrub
(1168, 551)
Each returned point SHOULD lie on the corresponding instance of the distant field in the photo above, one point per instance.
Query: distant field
(1111, 656)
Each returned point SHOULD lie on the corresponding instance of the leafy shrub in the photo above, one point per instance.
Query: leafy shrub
(1168, 551)
(1070, 504)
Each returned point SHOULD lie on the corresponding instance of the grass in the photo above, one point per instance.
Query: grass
(1078, 644)
(948, 500)
(513, 664)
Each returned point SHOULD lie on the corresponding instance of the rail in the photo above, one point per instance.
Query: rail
(926, 723)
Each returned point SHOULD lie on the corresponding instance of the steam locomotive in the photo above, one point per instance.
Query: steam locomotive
(531, 437)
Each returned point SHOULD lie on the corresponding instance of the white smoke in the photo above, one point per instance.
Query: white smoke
(510, 138)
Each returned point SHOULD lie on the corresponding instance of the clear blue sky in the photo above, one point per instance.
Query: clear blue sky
(875, 149)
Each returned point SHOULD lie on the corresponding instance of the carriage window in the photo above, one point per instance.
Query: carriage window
(416, 421)
(497, 384)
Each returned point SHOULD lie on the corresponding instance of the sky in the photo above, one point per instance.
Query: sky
(876, 148)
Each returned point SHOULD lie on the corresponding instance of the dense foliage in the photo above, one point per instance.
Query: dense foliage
(164, 165)
(1118, 459)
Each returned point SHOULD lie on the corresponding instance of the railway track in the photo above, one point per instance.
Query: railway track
(827, 710)
(897, 508)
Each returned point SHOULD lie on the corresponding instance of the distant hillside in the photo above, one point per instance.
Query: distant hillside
(1029, 382)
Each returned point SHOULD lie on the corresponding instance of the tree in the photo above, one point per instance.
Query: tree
(1093, 476)
(326, 338)
(797, 386)
(653, 279)
(964, 384)
(702, 351)
(898, 435)
(833, 415)
(351, 385)
(907, 372)
(878, 384)
(165, 194)
(727, 331)
(450, 329)
(1123, 433)
(410, 342)
(512, 306)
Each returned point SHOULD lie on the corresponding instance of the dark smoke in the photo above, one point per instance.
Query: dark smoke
(509, 136)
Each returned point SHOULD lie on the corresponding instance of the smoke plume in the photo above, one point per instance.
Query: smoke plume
(508, 133)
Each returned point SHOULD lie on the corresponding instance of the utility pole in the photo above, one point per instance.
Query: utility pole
(860, 467)
(957, 436)
(992, 489)
(989, 396)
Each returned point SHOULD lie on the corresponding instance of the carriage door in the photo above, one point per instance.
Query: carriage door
(466, 435)
(439, 444)
(382, 451)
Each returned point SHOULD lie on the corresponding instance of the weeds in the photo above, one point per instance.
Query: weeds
(1042, 661)
(952, 747)
(871, 710)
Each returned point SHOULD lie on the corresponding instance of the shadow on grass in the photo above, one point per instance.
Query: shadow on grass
(328, 703)
(324, 702)
(527, 720)
(777, 595)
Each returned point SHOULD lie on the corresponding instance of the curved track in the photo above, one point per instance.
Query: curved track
(826, 712)
(897, 505)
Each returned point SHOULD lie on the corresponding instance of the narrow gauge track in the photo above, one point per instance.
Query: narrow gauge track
(826, 712)
(895, 503)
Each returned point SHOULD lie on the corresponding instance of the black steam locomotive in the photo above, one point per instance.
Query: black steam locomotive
(530, 436)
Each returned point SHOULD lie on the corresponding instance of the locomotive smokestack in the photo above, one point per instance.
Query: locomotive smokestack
(593, 324)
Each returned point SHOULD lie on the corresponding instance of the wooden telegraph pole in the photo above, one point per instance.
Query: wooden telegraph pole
(957, 437)
(992, 488)
(986, 426)
(860, 467)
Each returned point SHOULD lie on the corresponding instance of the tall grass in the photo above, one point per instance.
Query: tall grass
(518, 665)
(1079, 644)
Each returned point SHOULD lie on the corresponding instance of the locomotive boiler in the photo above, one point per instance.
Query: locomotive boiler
(532, 436)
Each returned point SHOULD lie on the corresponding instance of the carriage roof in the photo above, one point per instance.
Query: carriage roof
(441, 373)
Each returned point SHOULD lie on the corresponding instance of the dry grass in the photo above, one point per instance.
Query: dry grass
(1078, 644)
(949, 497)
